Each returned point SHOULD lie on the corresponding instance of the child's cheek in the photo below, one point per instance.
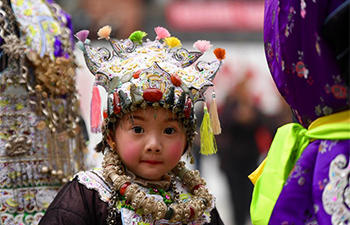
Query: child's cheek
(131, 152)
(176, 149)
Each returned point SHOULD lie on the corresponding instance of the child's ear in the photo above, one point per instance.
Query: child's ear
(110, 141)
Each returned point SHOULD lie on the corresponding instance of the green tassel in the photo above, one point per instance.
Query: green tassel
(208, 142)
(137, 36)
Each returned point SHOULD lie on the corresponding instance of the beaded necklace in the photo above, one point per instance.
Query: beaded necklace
(177, 211)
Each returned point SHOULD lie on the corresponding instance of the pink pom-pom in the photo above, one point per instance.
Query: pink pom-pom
(82, 35)
(161, 33)
(202, 45)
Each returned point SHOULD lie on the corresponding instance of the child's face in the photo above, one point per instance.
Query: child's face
(147, 146)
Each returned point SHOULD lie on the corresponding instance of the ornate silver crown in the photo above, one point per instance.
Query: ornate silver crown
(136, 73)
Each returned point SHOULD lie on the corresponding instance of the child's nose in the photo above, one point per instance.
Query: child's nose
(153, 145)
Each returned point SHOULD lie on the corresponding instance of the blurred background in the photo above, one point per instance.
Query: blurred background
(249, 106)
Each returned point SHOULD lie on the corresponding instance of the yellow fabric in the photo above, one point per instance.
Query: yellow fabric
(253, 177)
(288, 144)
(341, 117)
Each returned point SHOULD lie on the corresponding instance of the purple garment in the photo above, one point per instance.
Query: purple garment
(58, 48)
(307, 75)
(302, 64)
(300, 201)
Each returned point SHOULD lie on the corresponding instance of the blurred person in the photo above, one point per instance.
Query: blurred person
(41, 138)
(305, 177)
(241, 121)
(123, 16)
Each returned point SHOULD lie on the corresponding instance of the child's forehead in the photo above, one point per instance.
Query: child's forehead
(151, 112)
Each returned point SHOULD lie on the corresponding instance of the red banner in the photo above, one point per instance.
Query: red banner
(215, 15)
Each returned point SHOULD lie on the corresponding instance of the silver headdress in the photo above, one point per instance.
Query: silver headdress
(159, 73)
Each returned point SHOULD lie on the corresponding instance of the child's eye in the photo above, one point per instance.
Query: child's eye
(169, 130)
(138, 130)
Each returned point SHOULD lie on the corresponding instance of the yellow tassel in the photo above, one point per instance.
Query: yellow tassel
(208, 142)
(214, 117)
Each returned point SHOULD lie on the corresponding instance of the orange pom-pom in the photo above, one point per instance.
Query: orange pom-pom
(104, 32)
(220, 53)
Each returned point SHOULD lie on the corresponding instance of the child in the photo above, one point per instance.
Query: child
(149, 124)
(305, 179)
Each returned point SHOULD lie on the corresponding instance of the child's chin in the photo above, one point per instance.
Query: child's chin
(151, 177)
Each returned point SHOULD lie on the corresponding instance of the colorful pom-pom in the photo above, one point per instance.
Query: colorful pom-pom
(137, 36)
(104, 32)
(202, 45)
(161, 33)
(176, 80)
(172, 42)
(220, 53)
(82, 35)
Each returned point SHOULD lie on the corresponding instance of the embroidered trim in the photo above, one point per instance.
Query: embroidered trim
(93, 180)
(32, 219)
(336, 195)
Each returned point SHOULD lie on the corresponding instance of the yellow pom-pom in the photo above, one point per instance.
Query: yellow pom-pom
(208, 142)
(172, 42)
(104, 32)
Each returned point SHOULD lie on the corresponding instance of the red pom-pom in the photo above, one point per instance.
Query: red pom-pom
(136, 74)
(220, 53)
(176, 80)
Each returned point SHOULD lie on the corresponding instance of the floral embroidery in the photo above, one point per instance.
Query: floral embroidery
(336, 195)
(301, 69)
(290, 26)
(310, 80)
(32, 219)
(302, 8)
(322, 184)
(317, 45)
(297, 173)
(339, 91)
(327, 110)
(326, 146)
(93, 180)
(318, 110)
(269, 50)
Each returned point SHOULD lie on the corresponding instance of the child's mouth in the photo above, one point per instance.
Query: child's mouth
(151, 162)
